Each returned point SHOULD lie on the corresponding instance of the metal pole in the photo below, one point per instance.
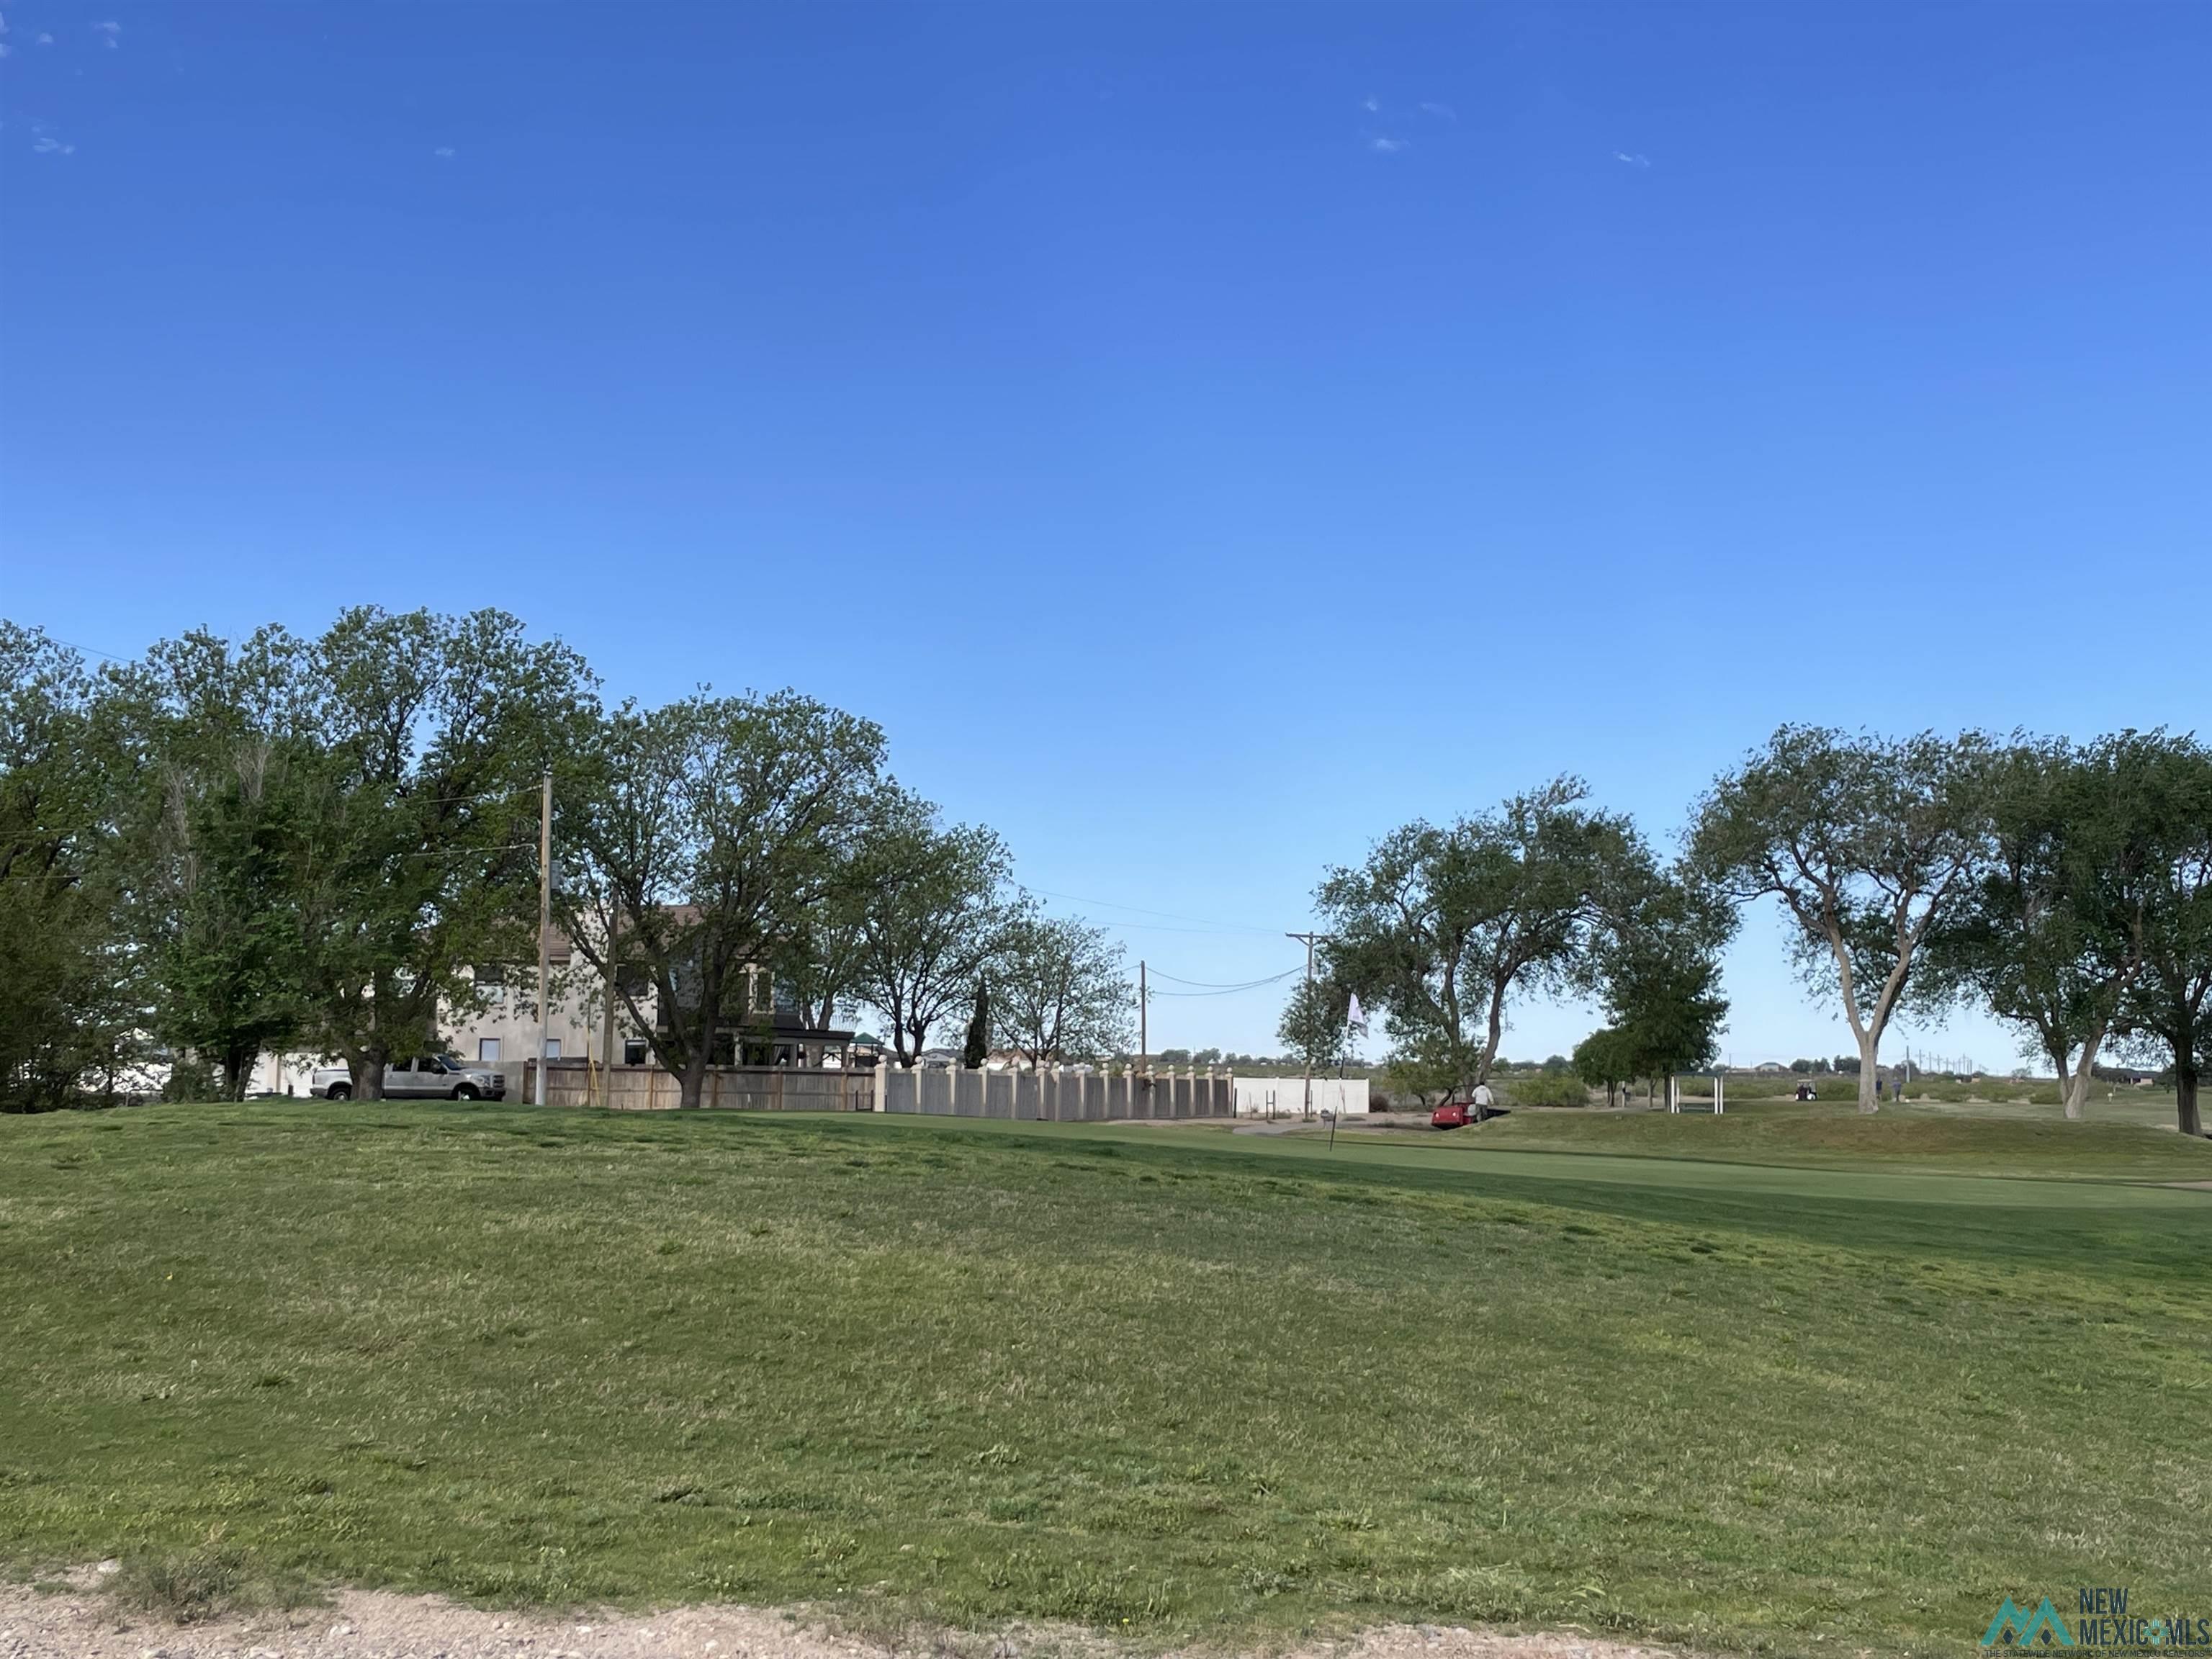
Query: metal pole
(544, 928)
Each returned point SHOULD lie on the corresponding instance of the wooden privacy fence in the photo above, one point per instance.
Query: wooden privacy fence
(742, 1088)
(1054, 1096)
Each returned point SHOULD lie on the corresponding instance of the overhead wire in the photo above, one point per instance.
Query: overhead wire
(1224, 985)
(1232, 990)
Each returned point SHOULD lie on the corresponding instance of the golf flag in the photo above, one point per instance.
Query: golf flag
(1352, 1016)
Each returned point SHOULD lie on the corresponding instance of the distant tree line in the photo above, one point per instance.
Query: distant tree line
(230, 848)
(2066, 888)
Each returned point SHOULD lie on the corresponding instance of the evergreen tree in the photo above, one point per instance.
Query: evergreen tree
(977, 1049)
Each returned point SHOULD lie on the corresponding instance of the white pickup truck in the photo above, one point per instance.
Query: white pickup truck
(426, 1076)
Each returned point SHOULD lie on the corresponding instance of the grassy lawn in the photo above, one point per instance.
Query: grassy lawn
(1931, 1138)
(1169, 1380)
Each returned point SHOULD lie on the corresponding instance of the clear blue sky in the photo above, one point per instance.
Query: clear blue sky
(1204, 437)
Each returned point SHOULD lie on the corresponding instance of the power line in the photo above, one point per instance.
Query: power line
(1222, 985)
(90, 650)
(1231, 990)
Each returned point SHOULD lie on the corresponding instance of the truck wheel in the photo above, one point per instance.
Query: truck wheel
(341, 1091)
(464, 1092)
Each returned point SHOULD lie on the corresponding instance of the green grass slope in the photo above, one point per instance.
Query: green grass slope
(1171, 1381)
(1839, 1137)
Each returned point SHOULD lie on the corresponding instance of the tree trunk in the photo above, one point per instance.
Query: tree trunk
(1496, 1035)
(2185, 1097)
(2085, 1073)
(1869, 1075)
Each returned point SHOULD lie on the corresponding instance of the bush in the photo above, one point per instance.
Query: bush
(183, 1588)
(191, 1078)
(1546, 1088)
(189, 1587)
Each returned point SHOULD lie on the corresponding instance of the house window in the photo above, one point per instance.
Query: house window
(487, 1051)
(634, 1051)
(552, 1047)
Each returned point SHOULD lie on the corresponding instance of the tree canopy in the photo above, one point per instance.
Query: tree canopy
(934, 923)
(227, 848)
(1313, 1025)
(1441, 928)
(700, 834)
(2050, 933)
(2167, 1009)
(1060, 991)
(1867, 843)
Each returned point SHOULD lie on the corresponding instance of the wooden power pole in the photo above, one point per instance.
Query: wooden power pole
(544, 928)
(607, 1011)
(1144, 1004)
(1309, 939)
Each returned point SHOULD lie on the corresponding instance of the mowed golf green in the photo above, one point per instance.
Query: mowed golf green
(1168, 1380)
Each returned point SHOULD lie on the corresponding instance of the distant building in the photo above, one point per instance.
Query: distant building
(502, 1030)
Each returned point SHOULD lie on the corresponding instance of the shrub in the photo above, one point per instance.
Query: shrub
(186, 1588)
(189, 1587)
(191, 1078)
(1547, 1089)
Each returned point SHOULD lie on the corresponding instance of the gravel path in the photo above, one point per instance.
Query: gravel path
(83, 1624)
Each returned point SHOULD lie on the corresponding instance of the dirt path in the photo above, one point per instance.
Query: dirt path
(84, 1624)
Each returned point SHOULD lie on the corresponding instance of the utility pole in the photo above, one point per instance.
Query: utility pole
(1309, 939)
(607, 1012)
(1143, 1002)
(544, 927)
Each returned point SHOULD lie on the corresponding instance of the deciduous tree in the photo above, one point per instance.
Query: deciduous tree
(217, 838)
(431, 732)
(1313, 1024)
(1441, 928)
(1661, 971)
(932, 929)
(2051, 935)
(73, 992)
(708, 829)
(2167, 1011)
(1867, 843)
(1606, 1059)
(1060, 990)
